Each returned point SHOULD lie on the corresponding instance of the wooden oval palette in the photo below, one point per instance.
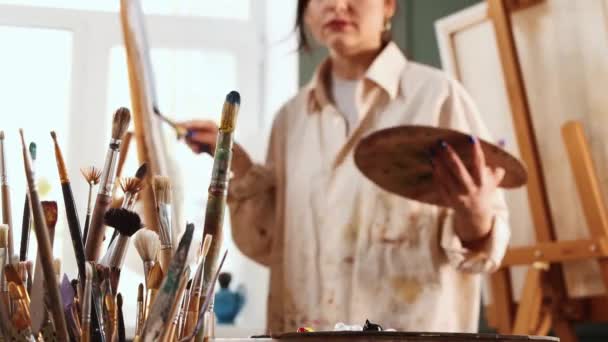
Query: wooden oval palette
(397, 160)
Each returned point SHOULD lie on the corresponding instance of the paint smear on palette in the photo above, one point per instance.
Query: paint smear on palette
(407, 289)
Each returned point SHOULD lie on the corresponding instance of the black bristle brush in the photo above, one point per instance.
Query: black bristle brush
(126, 223)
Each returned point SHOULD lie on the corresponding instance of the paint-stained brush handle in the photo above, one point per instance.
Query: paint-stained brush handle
(97, 228)
(44, 249)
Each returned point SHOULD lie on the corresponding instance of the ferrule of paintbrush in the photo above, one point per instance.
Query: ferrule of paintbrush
(216, 202)
(6, 196)
(96, 232)
(162, 197)
(44, 247)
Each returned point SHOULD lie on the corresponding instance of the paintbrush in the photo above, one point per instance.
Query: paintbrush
(39, 311)
(4, 260)
(70, 208)
(131, 187)
(6, 196)
(216, 199)
(121, 319)
(146, 243)
(86, 302)
(96, 232)
(162, 197)
(22, 271)
(207, 302)
(92, 175)
(113, 317)
(139, 318)
(45, 251)
(30, 275)
(124, 151)
(12, 276)
(127, 223)
(180, 131)
(159, 317)
(170, 329)
(152, 286)
(179, 320)
(68, 295)
(21, 317)
(197, 288)
(26, 222)
(101, 286)
(18, 296)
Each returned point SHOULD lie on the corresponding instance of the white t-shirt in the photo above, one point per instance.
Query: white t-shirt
(344, 95)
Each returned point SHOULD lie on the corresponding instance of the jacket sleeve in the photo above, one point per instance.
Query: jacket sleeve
(459, 112)
(252, 200)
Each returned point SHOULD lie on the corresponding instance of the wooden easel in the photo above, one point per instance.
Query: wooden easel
(545, 304)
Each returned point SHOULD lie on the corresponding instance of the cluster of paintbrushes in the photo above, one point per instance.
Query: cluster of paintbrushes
(38, 304)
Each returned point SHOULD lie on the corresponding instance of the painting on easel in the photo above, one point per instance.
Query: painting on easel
(558, 54)
(151, 146)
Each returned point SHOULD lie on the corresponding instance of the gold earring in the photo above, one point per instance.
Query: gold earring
(388, 25)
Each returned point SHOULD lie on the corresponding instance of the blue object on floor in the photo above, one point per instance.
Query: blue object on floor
(228, 303)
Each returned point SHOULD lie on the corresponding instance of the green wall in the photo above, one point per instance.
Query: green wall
(414, 32)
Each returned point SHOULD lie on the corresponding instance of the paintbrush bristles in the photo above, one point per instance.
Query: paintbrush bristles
(91, 174)
(131, 185)
(3, 235)
(142, 171)
(1, 135)
(120, 123)
(162, 190)
(147, 244)
(125, 221)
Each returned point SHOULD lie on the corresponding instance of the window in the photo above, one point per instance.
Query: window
(233, 9)
(64, 69)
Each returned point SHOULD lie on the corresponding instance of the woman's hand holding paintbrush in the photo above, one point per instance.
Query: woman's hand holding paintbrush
(202, 138)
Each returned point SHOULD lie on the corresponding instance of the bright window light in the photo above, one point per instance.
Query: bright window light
(232, 9)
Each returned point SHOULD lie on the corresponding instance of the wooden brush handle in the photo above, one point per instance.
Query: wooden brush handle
(166, 253)
(190, 324)
(86, 332)
(45, 251)
(97, 228)
(7, 218)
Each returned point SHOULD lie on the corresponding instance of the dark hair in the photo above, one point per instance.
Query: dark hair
(303, 43)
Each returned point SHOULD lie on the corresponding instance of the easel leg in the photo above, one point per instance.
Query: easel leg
(564, 330)
(545, 324)
(530, 304)
(502, 301)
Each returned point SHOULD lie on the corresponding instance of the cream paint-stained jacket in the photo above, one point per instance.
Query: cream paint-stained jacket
(340, 249)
